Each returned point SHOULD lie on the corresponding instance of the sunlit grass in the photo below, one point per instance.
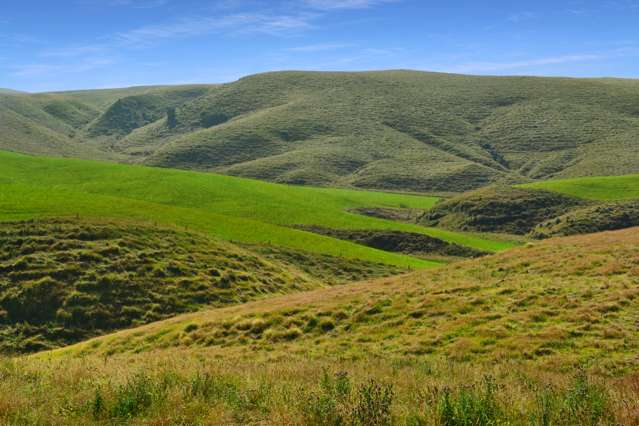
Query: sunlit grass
(226, 207)
(605, 188)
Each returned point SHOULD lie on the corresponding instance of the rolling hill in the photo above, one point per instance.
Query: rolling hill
(563, 301)
(64, 280)
(542, 334)
(230, 208)
(398, 130)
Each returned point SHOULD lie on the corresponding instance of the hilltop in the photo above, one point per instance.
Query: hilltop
(9, 91)
(399, 130)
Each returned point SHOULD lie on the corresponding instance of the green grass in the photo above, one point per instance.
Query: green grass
(394, 130)
(188, 388)
(605, 188)
(558, 304)
(64, 281)
(230, 208)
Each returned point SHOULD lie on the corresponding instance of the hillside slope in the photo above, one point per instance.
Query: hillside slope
(63, 280)
(500, 208)
(230, 208)
(560, 302)
(386, 130)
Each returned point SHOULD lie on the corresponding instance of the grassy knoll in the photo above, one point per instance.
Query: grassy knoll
(558, 303)
(542, 335)
(605, 188)
(230, 208)
(599, 217)
(500, 208)
(64, 281)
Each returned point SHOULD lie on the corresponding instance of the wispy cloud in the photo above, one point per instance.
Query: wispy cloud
(15, 39)
(37, 70)
(504, 66)
(517, 18)
(311, 48)
(231, 18)
(137, 4)
(231, 24)
(344, 4)
(73, 51)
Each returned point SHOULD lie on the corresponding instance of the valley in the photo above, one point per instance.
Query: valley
(321, 249)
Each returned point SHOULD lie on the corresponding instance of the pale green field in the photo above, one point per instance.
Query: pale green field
(605, 188)
(230, 208)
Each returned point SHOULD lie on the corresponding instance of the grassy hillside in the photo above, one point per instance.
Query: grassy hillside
(63, 281)
(501, 208)
(602, 217)
(9, 91)
(490, 341)
(605, 188)
(559, 303)
(74, 123)
(397, 130)
(226, 207)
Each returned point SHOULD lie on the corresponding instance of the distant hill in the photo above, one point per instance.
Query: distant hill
(8, 91)
(394, 130)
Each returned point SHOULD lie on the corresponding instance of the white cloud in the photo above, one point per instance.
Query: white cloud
(504, 66)
(258, 17)
(73, 51)
(230, 24)
(36, 70)
(344, 4)
(319, 47)
(517, 18)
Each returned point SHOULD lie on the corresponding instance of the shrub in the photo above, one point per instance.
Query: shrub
(327, 325)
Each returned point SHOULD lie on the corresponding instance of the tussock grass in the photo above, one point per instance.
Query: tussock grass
(185, 387)
(557, 303)
(64, 281)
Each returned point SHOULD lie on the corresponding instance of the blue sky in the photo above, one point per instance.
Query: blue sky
(72, 44)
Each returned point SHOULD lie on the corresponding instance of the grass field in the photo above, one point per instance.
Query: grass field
(605, 188)
(559, 303)
(63, 281)
(229, 208)
(540, 335)
(190, 388)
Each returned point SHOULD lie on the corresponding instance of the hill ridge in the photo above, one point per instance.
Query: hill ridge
(390, 130)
